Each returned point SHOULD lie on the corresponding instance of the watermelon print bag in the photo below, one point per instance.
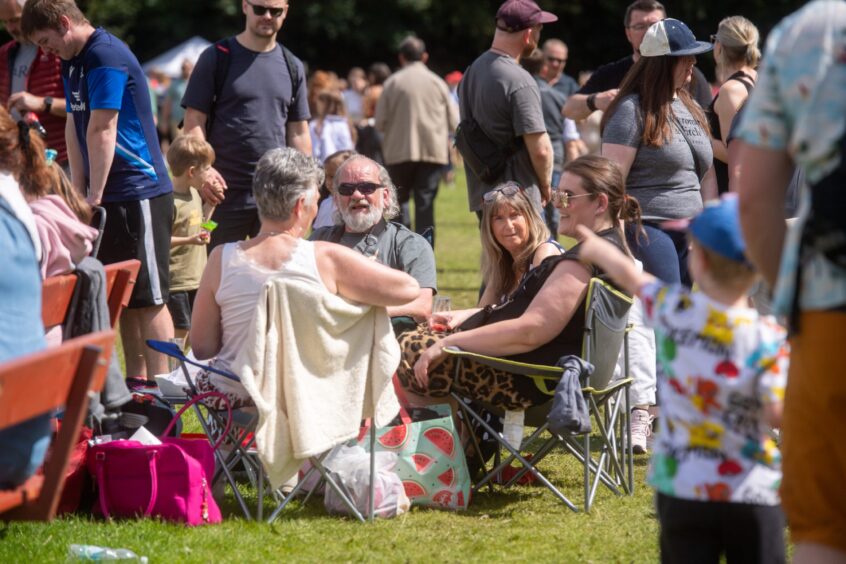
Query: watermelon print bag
(431, 465)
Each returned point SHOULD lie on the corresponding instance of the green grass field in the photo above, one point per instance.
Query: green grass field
(525, 523)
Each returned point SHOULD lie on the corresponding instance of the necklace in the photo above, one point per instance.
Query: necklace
(274, 233)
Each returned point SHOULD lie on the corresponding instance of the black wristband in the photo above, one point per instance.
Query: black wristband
(591, 102)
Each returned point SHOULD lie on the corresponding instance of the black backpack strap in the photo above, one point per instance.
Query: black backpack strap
(222, 61)
(337, 233)
(293, 73)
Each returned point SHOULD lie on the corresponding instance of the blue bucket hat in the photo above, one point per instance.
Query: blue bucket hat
(671, 37)
(717, 229)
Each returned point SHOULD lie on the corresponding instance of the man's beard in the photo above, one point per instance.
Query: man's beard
(360, 221)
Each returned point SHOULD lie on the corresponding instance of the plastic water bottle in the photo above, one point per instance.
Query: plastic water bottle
(98, 553)
(512, 428)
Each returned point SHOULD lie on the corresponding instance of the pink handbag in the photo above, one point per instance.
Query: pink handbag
(171, 480)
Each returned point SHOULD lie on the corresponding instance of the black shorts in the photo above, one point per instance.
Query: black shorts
(181, 304)
(702, 531)
(141, 230)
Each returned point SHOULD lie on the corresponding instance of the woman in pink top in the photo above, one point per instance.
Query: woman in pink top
(61, 215)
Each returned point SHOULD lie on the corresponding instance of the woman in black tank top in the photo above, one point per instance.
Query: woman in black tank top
(737, 55)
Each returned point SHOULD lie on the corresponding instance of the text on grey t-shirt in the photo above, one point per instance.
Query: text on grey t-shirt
(665, 180)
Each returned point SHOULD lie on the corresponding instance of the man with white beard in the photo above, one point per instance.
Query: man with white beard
(366, 201)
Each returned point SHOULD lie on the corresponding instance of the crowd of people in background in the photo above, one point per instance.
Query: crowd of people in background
(249, 165)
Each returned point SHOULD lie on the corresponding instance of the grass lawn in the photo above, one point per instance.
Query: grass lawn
(525, 523)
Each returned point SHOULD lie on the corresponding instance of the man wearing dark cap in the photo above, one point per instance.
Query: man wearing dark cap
(602, 87)
(502, 101)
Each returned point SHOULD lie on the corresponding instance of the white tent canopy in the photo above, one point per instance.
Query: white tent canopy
(170, 62)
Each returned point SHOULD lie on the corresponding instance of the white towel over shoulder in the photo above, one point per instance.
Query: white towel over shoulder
(315, 364)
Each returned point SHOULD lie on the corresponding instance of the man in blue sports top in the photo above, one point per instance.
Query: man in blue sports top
(247, 95)
(115, 159)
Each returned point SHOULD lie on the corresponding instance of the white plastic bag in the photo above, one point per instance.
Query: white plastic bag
(350, 465)
(313, 481)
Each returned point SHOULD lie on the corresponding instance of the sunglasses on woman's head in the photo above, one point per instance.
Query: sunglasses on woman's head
(365, 188)
(562, 197)
(508, 189)
(262, 10)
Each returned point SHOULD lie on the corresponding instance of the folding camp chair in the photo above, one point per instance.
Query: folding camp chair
(605, 332)
(243, 450)
(98, 222)
(62, 376)
(213, 423)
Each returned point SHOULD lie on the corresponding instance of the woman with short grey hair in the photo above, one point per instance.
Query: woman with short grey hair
(282, 177)
(285, 185)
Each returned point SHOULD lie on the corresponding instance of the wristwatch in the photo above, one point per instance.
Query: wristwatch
(48, 103)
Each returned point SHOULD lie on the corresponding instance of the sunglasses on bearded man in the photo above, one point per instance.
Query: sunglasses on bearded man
(365, 188)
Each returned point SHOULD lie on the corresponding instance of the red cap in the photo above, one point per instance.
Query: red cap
(454, 77)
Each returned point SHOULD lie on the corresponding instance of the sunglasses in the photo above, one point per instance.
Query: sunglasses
(556, 60)
(562, 198)
(365, 188)
(508, 189)
(262, 10)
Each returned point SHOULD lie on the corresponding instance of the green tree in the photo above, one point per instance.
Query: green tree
(338, 34)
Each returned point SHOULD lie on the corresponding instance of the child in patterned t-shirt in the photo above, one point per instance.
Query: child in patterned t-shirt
(722, 372)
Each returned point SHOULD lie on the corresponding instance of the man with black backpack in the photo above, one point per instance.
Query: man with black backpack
(502, 135)
(247, 95)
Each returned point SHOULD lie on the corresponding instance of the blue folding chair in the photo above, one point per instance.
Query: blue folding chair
(214, 423)
(244, 423)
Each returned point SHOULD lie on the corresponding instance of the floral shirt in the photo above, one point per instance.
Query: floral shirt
(799, 106)
(717, 366)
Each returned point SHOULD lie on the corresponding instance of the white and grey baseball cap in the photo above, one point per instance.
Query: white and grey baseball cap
(671, 37)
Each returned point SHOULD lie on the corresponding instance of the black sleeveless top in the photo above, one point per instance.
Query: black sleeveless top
(569, 340)
(721, 168)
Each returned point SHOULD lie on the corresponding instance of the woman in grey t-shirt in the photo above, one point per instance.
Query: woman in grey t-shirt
(659, 137)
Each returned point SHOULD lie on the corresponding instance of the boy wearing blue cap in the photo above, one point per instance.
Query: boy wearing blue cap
(722, 373)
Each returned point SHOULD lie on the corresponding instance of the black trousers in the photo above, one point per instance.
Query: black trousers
(700, 531)
(234, 225)
(421, 179)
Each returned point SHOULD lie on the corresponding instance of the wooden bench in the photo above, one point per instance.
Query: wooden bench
(39, 383)
(56, 294)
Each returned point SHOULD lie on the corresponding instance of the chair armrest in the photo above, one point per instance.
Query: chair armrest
(506, 365)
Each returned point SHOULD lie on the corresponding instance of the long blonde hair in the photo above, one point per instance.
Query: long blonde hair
(500, 270)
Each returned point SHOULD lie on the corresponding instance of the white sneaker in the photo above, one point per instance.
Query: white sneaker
(641, 430)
